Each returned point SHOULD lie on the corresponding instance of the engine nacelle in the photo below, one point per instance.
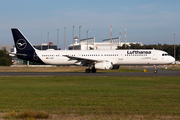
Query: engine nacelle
(104, 65)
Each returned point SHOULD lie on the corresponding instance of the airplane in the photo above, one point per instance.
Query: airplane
(93, 59)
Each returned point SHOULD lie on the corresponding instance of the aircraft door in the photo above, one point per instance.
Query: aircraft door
(162, 57)
(120, 56)
(79, 54)
(154, 55)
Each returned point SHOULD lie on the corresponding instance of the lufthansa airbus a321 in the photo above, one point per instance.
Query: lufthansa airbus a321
(93, 59)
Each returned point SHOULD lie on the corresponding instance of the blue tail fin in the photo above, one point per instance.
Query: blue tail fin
(24, 48)
(22, 44)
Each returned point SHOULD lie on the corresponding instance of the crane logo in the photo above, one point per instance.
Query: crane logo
(21, 44)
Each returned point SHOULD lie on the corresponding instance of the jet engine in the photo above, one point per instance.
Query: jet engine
(104, 65)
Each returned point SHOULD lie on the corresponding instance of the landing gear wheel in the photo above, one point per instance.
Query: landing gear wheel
(88, 70)
(93, 70)
(155, 71)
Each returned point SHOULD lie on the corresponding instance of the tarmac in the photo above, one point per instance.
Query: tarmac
(160, 73)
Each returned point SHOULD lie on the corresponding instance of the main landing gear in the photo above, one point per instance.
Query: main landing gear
(88, 70)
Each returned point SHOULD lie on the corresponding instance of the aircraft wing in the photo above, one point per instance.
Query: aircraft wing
(82, 59)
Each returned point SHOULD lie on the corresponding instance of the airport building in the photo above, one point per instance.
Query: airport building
(106, 44)
(7, 47)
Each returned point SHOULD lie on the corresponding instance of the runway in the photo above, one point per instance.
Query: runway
(160, 73)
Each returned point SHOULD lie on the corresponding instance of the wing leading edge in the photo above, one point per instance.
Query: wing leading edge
(84, 61)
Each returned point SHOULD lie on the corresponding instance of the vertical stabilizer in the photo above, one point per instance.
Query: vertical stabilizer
(22, 44)
(24, 48)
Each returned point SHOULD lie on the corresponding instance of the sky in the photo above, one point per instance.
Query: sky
(147, 21)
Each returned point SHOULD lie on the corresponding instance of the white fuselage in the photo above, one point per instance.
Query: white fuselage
(117, 57)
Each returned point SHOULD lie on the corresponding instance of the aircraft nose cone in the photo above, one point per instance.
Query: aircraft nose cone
(172, 59)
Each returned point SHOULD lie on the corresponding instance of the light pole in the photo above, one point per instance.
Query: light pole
(110, 37)
(174, 47)
(87, 38)
(48, 40)
(120, 36)
(80, 33)
(41, 41)
(125, 37)
(57, 39)
(64, 38)
(73, 35)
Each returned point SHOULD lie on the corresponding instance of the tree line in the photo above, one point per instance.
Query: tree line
(5, 59)
(168, 48)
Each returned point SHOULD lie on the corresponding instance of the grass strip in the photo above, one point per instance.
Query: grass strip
(86, 96)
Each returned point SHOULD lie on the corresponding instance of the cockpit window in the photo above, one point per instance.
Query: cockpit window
(165, 55)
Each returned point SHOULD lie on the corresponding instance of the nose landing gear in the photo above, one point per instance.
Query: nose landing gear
(155, 69)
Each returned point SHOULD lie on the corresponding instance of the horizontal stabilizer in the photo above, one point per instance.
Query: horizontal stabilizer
(13, 54)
